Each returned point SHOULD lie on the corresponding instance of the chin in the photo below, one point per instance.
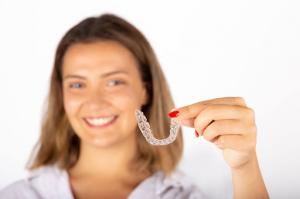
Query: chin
(112, 141)
(103, 143)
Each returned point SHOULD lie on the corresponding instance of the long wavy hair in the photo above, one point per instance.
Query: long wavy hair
(58, 144)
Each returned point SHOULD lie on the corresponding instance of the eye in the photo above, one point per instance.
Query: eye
(76, 85)
(115, 82)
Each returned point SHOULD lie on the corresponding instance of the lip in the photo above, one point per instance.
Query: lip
(99, 126)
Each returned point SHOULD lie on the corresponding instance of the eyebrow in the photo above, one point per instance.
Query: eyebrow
(103, 75)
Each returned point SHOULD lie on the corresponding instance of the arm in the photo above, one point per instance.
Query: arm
(248, 182)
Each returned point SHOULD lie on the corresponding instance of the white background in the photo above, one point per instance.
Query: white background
(207, 49)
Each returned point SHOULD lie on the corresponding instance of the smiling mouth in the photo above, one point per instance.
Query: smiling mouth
(100, 122)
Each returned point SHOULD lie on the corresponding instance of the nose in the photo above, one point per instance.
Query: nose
(97, 99)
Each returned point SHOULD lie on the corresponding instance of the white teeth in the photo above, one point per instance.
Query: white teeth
(99, 121)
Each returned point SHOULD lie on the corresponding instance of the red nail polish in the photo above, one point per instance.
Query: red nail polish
(173, 114)
(196, 133)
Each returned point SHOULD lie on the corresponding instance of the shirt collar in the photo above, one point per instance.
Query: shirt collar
(164, 182)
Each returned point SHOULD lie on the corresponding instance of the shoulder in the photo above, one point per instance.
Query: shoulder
(45, 182)
(18, 189)
(175, 186)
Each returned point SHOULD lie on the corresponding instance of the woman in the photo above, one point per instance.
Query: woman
(90, 146)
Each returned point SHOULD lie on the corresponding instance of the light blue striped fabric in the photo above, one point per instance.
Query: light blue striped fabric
(50, 182)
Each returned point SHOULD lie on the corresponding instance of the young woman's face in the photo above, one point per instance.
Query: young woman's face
(102, 88)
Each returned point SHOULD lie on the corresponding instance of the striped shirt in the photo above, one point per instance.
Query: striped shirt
(50, 182)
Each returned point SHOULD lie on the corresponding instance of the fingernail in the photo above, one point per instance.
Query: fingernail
(196, 133)
(173, 114)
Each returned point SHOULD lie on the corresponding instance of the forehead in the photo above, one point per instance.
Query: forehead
(100, 55)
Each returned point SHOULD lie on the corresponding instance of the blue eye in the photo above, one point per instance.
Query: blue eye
(76, 85)
(115, 82)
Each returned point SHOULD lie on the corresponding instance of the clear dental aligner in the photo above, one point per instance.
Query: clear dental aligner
(144, 126)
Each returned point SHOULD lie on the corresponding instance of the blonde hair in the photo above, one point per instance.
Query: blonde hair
(58, 144)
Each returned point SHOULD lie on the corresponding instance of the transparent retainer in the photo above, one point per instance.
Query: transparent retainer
(144, 126)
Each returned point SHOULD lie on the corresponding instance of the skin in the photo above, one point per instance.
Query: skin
(102, 79)
(87, 92)
(230, 125)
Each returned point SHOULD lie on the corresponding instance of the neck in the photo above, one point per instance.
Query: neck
(111, 162)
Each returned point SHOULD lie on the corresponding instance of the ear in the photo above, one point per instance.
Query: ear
(145, 96)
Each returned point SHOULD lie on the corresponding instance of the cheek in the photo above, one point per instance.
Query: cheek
(125, 100)
(71, 104)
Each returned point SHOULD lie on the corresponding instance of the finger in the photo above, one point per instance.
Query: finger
(236, 142)
(188, 122)
(221, 112)
(191, 111)
(225, 127)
